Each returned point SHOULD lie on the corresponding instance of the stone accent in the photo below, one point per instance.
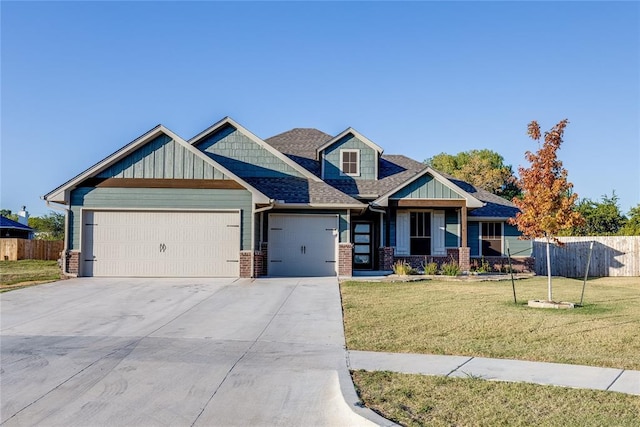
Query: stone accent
(345, 259)
(385, 258)
(72, 259)
(464, 259)
(245, 264)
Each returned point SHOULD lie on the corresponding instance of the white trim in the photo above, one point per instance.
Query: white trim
(344, 133)
(65, 189)
(350, 150)
(228, 120)
(472, 202)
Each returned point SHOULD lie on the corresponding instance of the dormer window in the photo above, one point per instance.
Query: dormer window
(350, 162)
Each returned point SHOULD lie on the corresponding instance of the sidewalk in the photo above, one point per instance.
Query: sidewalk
(576, 376)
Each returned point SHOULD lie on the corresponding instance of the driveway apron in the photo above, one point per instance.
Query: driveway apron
(203, 352)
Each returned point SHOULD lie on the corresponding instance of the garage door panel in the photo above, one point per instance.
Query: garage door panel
(161, 243)
(302, 245)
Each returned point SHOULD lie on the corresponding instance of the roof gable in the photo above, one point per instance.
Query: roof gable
(447, 187)
(344, 133)
(136, 158)
(232, 144)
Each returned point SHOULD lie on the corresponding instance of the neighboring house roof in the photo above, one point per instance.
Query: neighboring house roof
(9, 223)
(60, 194)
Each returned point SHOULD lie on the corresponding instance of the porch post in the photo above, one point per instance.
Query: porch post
(463, 226)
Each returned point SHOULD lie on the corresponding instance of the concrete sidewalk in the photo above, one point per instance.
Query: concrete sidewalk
(576, 376)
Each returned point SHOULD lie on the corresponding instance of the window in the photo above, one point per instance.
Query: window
(350, 162)
(492, 238)
(420, 233)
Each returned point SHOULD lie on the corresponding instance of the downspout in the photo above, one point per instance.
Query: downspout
(272, 204)
(66, 210)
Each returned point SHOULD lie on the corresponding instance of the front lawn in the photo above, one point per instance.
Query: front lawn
(15, 274)
(480, 319)
(416, 400)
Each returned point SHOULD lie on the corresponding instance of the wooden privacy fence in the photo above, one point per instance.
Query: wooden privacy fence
(15, 249)
(612, 256)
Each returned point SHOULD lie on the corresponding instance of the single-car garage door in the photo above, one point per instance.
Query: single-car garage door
(161, 243)
(302, 245)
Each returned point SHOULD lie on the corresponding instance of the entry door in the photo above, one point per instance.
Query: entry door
(362, 238)
(302, 245)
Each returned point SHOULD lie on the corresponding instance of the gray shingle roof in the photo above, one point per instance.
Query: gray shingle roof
(300, 145)
(301, 190)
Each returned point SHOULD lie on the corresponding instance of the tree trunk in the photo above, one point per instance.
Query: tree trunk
(549, 293)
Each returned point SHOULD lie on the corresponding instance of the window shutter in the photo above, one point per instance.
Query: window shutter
(402, 233)
(438, 233)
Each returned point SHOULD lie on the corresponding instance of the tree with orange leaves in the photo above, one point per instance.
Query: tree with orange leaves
(547, 205)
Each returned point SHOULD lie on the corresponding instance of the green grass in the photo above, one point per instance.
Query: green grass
(15, 274)
(480, 319)
(416, 400)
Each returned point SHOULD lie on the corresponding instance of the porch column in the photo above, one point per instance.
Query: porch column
(463, 226)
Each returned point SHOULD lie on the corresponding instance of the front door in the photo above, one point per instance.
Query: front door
(362, 238)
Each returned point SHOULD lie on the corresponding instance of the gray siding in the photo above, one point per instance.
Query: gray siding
(426, 187)
(163, 198)
(238, 153)
(162, 158)
(451, 228)
(368, 159)
(516, 246)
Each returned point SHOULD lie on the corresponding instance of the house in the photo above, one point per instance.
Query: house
(14, 229)
(301, 203)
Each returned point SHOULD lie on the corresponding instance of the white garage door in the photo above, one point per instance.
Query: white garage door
(303, 245)
(161, 244)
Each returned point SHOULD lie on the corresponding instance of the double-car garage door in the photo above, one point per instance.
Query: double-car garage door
(160, 243)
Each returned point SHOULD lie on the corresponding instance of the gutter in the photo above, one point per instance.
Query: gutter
(66, 209)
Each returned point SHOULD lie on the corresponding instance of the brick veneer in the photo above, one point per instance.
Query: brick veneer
(72, 263)
(245, 264)
(501, 264)
(464, 259)
(385, 258)
(345, 259)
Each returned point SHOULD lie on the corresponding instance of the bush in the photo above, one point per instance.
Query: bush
(403, 268)
(484, 266)
(431, 268)
(450, 268)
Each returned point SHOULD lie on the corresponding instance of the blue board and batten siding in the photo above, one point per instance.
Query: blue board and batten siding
(246, 158)
(159, 198)
(426, 187)
(452, 228)
(368, 159)
(162, 158)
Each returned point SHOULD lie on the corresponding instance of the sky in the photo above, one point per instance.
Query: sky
(79, 80)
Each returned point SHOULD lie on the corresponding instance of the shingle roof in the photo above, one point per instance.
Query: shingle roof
(9, 223)
(300, 145)
(302, 190)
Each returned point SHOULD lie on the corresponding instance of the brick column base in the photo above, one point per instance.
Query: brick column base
(264, 248)
(464, 259)
(72, 261)
(385, 258)
(345, 259)
(245, 264)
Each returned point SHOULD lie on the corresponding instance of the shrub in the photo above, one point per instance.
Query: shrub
(484, 266)
(450, 268)
(431, 268)
(403, 268)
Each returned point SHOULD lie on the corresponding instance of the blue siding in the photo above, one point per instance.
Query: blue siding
(517, 247)
(368, 159)
(162, 158)
(451, 228)
(473, 237)
(167, 198)
(426, 187)
(238, 153)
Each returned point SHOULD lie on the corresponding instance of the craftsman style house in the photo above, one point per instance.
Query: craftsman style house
(301, 203)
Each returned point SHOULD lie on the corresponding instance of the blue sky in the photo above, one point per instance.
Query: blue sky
(82, 79)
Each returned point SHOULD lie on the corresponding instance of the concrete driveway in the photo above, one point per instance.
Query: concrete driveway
(178, 352)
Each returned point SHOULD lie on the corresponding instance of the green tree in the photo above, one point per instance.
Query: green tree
(48, 227)
(482, 168)
(547, 204)
(631, 226)
(7, 214)
(600, 218)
